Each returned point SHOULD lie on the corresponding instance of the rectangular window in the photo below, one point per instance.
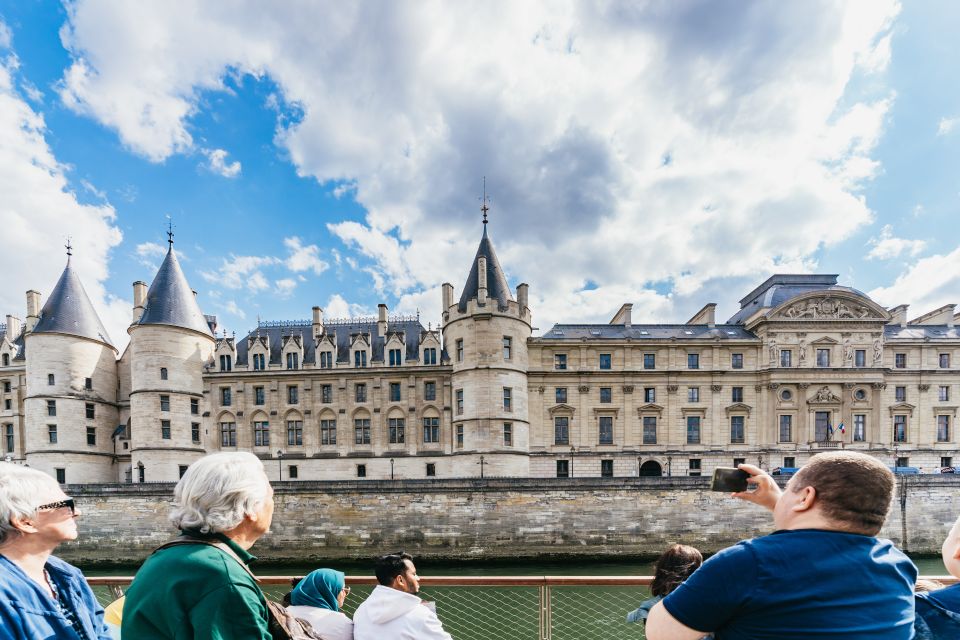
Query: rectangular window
(361, 471)
(693, 429)
(943, 428)
(649, 361)
(822, 426)
(326, 360)
(790, 462)
(860, 358)
(823, 357)
(459, 436)
(859, 427)
(431, 430)
(165, 429)
(694, 467)
(560, 361)
(194, 406)
(786, 358)
(51, 380)
(6, 404)
(649, 430)
(360, 392)
(900, 394)
(328, 432)
(52, 433)
(736, 361)
(92, 436)
(786, 428)
(561, 430)
(6, 386)
(228, 434)
(649, 394)
(259, 396)
(182, 469)
(294, 433)
(394, 392)
(736, 394)
(459, 397)
(226, 363)
(431, 469)
(946, 461)
(606, 395)
(507, 399)
(164, 403)
(259, 362)
(900, 360)
(261, 434)
(430, 391)
(606, 430)
(507, 434)
(360, 359)
(226, 399)
(293, 360)
(395, 359)
(944, 360)
(430, 356)
(902, 462)
(736, 430)
(943, 394)
(560, 395)
(88, 383)
(8, 437)
(693, 394)
(693, 361)
(397, 430)
(92, 411)
(605, 361)
(195, 432)
(606, 468)
(51, 407)
(293, 472)
(293, 394)
(507, 347)
(61, 475)
(900, 428)
(361, 431)
(460, 350)
(563, 468)
(326, 393)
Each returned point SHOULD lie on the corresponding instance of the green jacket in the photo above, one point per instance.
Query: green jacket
(197, 592)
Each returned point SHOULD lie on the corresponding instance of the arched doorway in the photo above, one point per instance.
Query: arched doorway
(651, 468)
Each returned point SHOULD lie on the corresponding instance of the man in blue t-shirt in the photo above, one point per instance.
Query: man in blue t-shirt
(821, 574)
(938, 612)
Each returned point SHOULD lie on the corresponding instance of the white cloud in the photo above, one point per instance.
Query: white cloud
(927, 285)
(217, 162)
(39, 210)
(241, 272)
(569, 110)
(303, 258)
(338, 307)
(233, 308)
(285, 287)
(6, 36)
(947, 125)
(887, 246)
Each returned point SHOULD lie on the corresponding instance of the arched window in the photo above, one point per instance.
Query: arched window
(163, 373)
(50, 379)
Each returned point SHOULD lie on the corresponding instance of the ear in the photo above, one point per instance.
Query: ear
(23, 525)
(956, 552)
(808, 496)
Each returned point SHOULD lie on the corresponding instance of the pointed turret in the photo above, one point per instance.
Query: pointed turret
(171, 301)
(69, 311)
(486, 279)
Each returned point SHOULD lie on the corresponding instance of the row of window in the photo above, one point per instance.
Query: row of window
(396, 432)
(52, 380)
(327, 360)
(326, 393)
(605, 361)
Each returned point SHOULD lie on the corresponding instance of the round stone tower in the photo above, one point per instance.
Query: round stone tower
(485, 335)
(71, 401)
(169, 345)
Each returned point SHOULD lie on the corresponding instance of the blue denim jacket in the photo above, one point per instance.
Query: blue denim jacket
(27, 612)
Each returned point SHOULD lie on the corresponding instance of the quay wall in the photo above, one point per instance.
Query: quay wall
(494, 518)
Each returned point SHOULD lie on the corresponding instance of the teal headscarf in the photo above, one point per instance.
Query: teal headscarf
(319, 588)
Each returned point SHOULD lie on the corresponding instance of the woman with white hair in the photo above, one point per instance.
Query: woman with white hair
(41, 596)
(199, 586)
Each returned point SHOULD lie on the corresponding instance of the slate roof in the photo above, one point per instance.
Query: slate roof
(920, 332)
(170, 299)
(646, 332)
(412, 329)
(68, 310)
(779, 288)
(497, 287)
(16, 341)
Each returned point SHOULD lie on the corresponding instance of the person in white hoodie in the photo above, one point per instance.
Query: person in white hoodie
(393, 611)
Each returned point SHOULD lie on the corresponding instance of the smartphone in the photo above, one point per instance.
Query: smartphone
(728, 479)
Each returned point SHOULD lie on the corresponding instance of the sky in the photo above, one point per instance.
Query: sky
(667, 154)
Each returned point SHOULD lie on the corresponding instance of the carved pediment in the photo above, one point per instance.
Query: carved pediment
(326, 341)
(296, 339)
(561, 409)
(257, 342)
(824, 340)
(940, 410)
(650, 407)
(902, 407)
(829, 306)
(739, 407)
(824, 396)
(359, 340)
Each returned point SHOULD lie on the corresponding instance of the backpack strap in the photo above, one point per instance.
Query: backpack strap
(216, 544)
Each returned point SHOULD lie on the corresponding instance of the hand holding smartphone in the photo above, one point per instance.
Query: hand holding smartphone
(729, 480)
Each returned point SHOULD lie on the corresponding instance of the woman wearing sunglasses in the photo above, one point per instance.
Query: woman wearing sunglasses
(41, 596)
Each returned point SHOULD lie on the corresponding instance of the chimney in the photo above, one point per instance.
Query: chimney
(481, 281)
(447, 289)
(523, 295)
(317, 323)
(139, 299)
(33, 309)
(13, 327)
(707, 315)
(624, 316)
(899, 315)
(381, 319)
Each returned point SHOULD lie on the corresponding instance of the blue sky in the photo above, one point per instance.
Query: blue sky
(667, 155)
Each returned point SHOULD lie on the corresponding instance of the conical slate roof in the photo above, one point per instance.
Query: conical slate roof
(68, 310)
(497, 287)
(170, 299)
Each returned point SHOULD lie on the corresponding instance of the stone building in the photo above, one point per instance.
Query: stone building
(804, 366)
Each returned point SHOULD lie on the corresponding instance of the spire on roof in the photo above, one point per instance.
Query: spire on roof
(485, 207)
(170, 300)
(497, 287)
(68, 309)
(169, 232)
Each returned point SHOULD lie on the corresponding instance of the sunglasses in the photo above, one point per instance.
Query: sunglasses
(59, 505)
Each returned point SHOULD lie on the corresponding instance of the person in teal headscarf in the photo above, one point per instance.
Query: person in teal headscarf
(318, 599)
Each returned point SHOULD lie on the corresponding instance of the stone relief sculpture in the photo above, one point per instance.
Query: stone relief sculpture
(773, 351)
(827, 308)
(825, 395)
(848, 351)
(877, 350)
(802, 348)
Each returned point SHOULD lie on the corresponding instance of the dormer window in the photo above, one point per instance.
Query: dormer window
(430, 356)
(395, 358)
(293, 360)
(326, 360)
(359, 359)
(226, 363)
(6, 359)
(259, 362)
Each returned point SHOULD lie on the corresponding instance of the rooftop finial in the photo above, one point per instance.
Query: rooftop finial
(69, 248)
(170, 231)
(485, 207)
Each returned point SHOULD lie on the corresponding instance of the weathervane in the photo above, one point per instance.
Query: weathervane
(69, 248)
(170, 231)
(484, 207)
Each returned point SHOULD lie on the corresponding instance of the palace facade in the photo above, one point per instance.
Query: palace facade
(804, 366)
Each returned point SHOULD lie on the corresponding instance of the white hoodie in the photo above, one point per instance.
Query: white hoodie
(389, 614)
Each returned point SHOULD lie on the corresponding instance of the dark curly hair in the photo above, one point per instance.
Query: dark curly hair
(673, 567)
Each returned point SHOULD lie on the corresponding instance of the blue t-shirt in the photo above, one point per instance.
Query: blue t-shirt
(938, 613)
(801, 584)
